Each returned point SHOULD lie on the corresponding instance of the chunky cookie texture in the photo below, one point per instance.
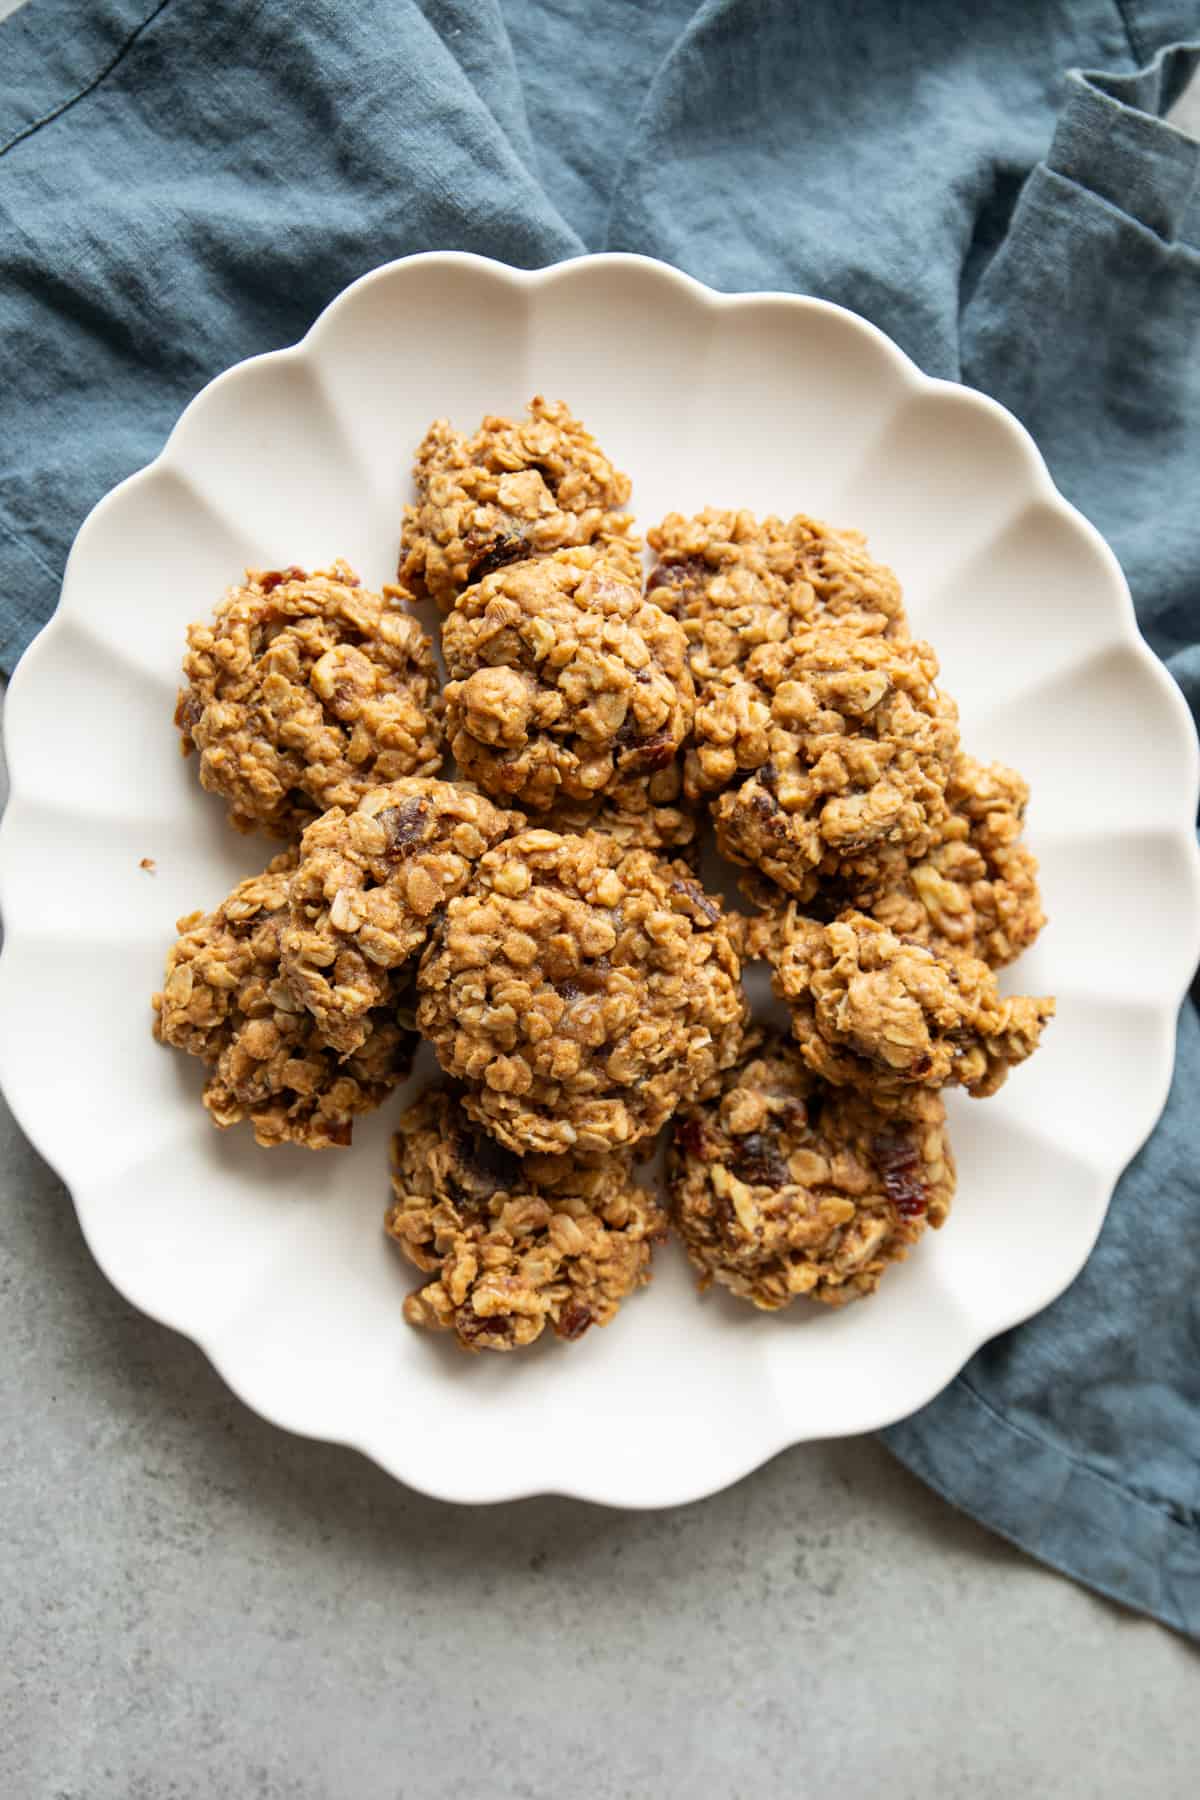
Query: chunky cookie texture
(642, 812)
(540, 921)
(224, 999)
(783, 1186)
(368, 886)
(975, 889)
(518, 488)
(838, 741)
(580, 991)
(564, 681)
(514, 1244)
(304, 691)
(889, 1015)
(737, 582)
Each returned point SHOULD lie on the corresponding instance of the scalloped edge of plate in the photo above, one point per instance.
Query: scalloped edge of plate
(670, 1491)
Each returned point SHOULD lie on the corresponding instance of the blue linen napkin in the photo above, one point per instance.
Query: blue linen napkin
(183, 185)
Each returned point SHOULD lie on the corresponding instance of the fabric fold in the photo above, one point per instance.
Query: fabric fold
(1081, 1523)
(1114, 139)
(1077, 1435)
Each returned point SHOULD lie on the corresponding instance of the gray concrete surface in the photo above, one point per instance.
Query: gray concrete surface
(194, 1605)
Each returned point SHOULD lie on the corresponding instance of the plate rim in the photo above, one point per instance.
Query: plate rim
(645, 1492)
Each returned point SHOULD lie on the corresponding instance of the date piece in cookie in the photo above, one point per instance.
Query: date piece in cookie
(519, 488)
(564, 681)
(303, 692)
(513, 1243)
(782, 1185)
(224, 999)
(580, 991)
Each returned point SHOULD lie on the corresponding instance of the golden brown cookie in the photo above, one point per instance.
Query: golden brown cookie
(368, 886)
(303, 692)
(519, 488)
(886, 1014)
(581, 992)
(975, 889)
(224, 999)
(564, 681)
(838, 741)
(782, 1185)
(643, 812)
(514, 1243)
(738, 582)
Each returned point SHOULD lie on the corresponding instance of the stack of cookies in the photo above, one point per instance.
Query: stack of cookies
(539, 919)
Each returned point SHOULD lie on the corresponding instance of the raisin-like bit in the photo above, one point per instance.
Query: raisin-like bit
(483, 1167)
(900, 1163)
(404, 824)
(696, 901)
(573, 1321)
(275, 577)
(690, 1138)
(758, 1162)
(497, 554)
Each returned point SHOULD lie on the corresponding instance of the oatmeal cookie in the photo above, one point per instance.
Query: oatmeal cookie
(303, 692)
(887, 1015)
(642, 812)
(843, 742)
(514, 1243)
(977, 888)
(519, 488)
(224, 999)
(581, 991)
(367, 888)
(564, 681)
(782, 1185)
(737, 582)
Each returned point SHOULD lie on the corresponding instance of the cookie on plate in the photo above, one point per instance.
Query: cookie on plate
(827, 746)
(736, 582)
(515, 1244)
(368, 886)
(564, 681)
(303, 692)
(225, 1000)
(518, 488)
(580, 991)
(975, 889)
(887, 1014)
(782, 1186)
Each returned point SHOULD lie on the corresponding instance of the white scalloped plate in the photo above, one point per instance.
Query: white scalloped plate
(275, 1263)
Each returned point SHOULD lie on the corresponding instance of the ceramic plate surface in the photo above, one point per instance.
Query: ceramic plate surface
(275, 1262)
